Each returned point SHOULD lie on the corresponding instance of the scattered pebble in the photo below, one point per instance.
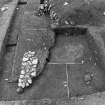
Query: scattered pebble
(65, 84)
(19, 84)
(21, 76)
(4, 9)
(66, 22)
(88, 82)
(26, 55)
(45, 48)
(29, 81)
(82, 61)
(27, 70)
(23, 72)
(34, 66)
(27, 76)
(95, 63)
(82, 98)
(6, 79)
(35, 61)
(33, 74)
(27, 84)
(19, 90)
(66, 3)
(104, 13)
(25, 59)
(29, 63)
(29, 39)
(24, 63)
(54, 14)
(17, 8)
(72, 22)
(20, 80)
(23, 85)
(32, 52)
(33, 69)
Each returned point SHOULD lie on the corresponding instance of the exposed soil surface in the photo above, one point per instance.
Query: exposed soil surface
(73, 68)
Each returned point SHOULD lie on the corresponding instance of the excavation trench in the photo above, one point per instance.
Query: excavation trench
(78, 54)
(73, 68)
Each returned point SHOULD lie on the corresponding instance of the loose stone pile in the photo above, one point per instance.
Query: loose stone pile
(45, 9)
(50, 7)
(28, 69)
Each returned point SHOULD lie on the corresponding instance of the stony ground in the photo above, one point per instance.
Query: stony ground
(72, 59)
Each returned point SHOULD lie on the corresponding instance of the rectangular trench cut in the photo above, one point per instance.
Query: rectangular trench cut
(83, 75)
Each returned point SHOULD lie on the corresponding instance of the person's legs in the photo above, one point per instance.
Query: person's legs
(41, 1)
(40, 11)
(43, 8)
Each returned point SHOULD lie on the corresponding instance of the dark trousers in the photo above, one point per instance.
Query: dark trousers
(41, 1)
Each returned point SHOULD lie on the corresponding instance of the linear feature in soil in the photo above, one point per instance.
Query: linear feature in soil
(73, 50)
